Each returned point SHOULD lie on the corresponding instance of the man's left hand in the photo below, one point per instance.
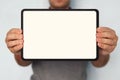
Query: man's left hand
(106, 40)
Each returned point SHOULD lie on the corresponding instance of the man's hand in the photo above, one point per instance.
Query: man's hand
(14, 40)
(107, 40)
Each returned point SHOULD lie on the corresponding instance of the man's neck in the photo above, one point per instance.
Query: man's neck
(60, 8)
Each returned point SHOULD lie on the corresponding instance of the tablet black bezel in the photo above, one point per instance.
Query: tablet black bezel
(97, 25)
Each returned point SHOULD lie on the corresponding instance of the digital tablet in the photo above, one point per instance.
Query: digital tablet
(59, 34)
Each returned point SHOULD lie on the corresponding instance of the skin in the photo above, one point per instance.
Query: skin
(59, 4)
(105, 37)
(107, 41)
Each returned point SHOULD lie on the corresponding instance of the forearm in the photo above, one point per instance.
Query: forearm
(20, 61)
(102, 60)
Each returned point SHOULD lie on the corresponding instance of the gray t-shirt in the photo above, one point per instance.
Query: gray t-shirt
(59, 70)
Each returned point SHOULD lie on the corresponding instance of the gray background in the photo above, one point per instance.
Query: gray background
(10, 18)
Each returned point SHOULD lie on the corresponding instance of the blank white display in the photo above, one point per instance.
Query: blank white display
(59, 34)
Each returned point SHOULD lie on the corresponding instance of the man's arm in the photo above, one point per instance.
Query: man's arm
(20, 61)
(102, 60)
(107, 41)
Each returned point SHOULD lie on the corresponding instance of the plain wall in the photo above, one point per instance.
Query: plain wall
(10, 18)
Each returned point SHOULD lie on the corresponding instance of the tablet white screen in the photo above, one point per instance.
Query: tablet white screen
(59, 34)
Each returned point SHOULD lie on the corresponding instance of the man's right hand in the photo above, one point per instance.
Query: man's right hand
(14, 40)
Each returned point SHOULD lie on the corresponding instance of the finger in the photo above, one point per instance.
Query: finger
(14, 43)
(106, 35)
(106, 41)
(15, 30)
(105, 29)
(106, 47)
(11, 37)
(16, 49)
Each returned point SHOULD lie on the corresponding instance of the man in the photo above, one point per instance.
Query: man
(62, 70)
